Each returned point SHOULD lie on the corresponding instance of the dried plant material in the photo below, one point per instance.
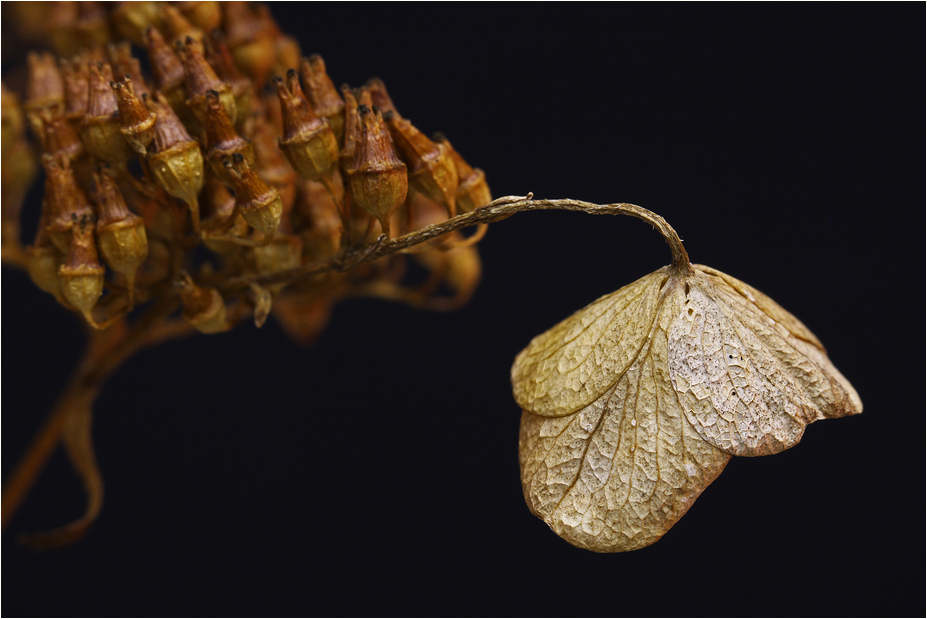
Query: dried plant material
(263, 303)
(633, 405)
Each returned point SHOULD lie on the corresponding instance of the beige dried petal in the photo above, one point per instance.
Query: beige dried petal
(633, 405)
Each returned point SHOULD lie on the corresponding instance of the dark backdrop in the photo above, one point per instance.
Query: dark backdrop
(376, 473)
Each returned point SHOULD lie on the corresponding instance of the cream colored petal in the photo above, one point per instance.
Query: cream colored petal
(748, 383)
(617, 474)
(575, 362)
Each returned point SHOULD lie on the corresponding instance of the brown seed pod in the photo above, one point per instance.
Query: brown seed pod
(124, 64)
(308, 140)
(201, 79)
(282, 253)
(178, 28)
(322, 94)
(377, 177)
(76, 79)
(318, 220)
(351, 128)
(44, 85)
(175, 159)
(472, 190)
(380, 96)
(80, 277)
(257, 202)
(60, 137)
(251, 38)
(43, 260)
(100, 127)
(120, 233)
(203, 308)
(206, 15)
(431, 169)
(132, 19)
(65, 202)
(137, 122)
(271, 164)
(220, 59)
(219, 206)
(222, 142)
(11, 119)
(288, 54)
(168, 72)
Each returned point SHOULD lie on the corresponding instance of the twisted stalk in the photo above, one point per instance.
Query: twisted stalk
(496, 210)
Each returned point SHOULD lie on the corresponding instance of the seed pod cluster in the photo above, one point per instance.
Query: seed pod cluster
(146, 175)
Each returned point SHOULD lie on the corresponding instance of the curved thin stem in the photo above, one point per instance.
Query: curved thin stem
(496, 210)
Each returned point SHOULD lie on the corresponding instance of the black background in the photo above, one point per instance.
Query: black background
(377, 473)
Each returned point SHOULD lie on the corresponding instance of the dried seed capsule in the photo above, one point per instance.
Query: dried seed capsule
(120, 233)
(137, 122)
(42, 263)
(201, 79)
(380, 96)
(287, 56)
(377, 177)
(270, 163)
(322, 95)
(65, 202)
(100, 128)
(351, 127)
(205, 15)
(472, 190)
(44, 89)
(76, 79)
(124, 64)
(203, 308)
(251, 38)
(60, 137)
(17, 172)
(431, 169)
(168, 72)
(318, 219)
(258, 203)
(222, 142)
(44, 86)
(175, 159)
(132, 19)
(179, 29)
(308, 141)
(91, 28)
(80, 277)
(220, 59)
(283, 253)
(12, 119)
(219, 206)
